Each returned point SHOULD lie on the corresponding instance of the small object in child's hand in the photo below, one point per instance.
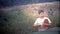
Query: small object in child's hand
(46, 23)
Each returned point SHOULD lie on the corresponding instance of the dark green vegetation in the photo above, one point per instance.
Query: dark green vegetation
(20, 22)
(16, 22)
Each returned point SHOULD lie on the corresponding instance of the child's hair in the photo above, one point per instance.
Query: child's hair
(40, 11)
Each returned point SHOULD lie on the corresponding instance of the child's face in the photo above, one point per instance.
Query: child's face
(41, 15)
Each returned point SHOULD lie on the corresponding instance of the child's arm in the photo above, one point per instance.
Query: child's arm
(36, 24)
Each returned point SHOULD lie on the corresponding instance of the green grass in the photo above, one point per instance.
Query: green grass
(20, 22)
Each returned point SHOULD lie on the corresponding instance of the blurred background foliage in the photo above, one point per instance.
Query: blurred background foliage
(20, 21)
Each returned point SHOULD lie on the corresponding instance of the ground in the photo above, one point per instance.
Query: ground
(54, 30)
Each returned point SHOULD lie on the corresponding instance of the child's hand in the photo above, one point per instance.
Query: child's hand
(46, 25)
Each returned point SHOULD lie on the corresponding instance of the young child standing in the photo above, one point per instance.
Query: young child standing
(42, 23)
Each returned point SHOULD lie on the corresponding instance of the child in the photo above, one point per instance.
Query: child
(42, 23)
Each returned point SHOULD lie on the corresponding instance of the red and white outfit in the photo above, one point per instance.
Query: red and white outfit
(40, 21)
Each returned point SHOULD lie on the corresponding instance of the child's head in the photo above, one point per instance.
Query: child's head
(41, 13)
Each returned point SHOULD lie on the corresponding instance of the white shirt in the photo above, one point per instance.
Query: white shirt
(41, 20)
